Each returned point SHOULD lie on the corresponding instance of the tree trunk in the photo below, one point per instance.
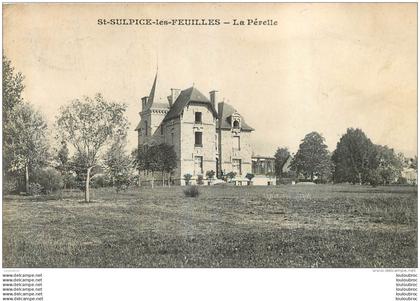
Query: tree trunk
(139, 178)
(163, 179)
(153, 180)
(360, 178)
(87, 192)
(27, 179)
(169, 180)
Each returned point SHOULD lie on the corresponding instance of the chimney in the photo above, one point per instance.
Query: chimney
(144, 102)
(213, 98)
(174, 95)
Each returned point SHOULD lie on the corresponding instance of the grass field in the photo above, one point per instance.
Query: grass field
(275, 226)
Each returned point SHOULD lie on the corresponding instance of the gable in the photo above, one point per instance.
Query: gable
(185, 98)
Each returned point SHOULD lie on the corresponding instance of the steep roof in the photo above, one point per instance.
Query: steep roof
(152, 93)
(225, 112)
(190, 95)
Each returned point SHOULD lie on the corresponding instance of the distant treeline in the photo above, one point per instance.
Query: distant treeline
(356, 160)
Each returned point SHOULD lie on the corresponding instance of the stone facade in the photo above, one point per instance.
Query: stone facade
(206, 135)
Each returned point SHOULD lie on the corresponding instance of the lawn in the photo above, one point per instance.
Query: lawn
(276, 226)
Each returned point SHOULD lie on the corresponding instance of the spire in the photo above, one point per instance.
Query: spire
(152, 91)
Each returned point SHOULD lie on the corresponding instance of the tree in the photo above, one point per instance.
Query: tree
(280, 157)
(157, 158)
(12, 92)
(312, 159)
(63, 156)
(389, 164)
(90, 125)
(168, 158)
(118, 165)
(12, 87)
(63, 166)
(49, 179)
(354, 157)
(28, 148)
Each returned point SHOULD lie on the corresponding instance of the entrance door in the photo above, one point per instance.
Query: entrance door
(236, 166)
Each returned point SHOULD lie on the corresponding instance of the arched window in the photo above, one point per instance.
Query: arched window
(145, 128)
(236, 124)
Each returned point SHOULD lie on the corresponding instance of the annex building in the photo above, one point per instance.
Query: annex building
(207, 135)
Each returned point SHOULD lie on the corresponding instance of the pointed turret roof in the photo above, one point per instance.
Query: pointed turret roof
(154, 95)
(152, 92)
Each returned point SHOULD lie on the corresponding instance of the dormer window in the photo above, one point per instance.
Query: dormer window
(198, 117)
(236, 124)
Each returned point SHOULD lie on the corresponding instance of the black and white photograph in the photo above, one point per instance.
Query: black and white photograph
(209, 135)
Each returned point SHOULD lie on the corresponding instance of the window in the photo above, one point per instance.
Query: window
(172, 138)
(254, 167)
(236, 166)
(237, 143)
(161, 129)
(198, 165)
(236, 124)
(145, 128)
(198, 117)
(198, 139)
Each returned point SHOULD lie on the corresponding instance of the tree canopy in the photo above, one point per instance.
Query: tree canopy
(90, 125)
(157, 158)
(12, 90)
(25, 136)
(312, 159)
(118, 165)
(280, 157)
(354, 157)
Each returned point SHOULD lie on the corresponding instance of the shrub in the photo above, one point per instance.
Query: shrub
(285, 181)
(374, 178)
(320, 181)
(191, 191)
(231, 175)
(10, 184)
(134, 180)
(249, 176)
(69, 181)
(187, 178)
(49, 179)
(122, 182)
(35, 189)
(98, 181)
(210, 174)
(200, 180)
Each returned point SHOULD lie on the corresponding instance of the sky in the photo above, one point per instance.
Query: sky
(323, 67)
